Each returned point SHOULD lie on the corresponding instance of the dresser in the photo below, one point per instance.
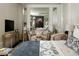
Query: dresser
(9, 39)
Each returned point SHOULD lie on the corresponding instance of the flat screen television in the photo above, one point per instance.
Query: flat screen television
(9, 25)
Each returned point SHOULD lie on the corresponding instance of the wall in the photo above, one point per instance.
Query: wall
(20, 17)
(8, 11)
(50, 6)
(75, 13)
(71, 15)
(67, 16)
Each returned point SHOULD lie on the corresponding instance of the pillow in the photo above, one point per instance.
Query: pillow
(73, 40)
(39, 31)
(69, 41)
(76, 32)
(45, 32)
(73, 43)
(74, 47)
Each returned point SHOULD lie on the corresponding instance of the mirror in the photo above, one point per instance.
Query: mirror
(39, 17)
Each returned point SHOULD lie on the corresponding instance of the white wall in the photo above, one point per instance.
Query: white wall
(75, 13)
(20, 17)
(58, 18)
(8, 11)
(67, 16)
(71, 15)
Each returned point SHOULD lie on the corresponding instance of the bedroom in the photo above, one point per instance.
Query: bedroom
(59, 24)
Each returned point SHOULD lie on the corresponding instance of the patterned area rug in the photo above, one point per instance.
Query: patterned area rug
(47, 49)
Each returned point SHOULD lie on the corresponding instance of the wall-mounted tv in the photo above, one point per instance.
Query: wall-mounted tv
(9, 25)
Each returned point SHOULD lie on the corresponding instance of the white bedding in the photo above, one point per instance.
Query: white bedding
(47, 50)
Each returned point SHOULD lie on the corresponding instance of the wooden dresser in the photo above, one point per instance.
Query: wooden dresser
(9, 39)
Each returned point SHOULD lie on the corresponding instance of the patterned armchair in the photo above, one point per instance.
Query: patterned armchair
(39, 34)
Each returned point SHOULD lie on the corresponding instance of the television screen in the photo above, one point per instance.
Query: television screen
(9, 25)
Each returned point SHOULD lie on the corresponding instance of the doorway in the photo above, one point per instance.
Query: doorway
(39, 18)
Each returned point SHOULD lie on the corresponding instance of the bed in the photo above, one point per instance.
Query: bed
(43, 48)
(55, 48)
(69, 47)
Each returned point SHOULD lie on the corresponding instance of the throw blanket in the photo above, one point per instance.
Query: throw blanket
(28, 48)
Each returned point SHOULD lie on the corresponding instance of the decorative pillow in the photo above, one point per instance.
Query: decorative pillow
(76, 32)
(39, 31)
(73, 43)
(45, 32)
(73, 40)
(69, 41)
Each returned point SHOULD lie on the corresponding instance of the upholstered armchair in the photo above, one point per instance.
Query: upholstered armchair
(59, 36)
(39, 34)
